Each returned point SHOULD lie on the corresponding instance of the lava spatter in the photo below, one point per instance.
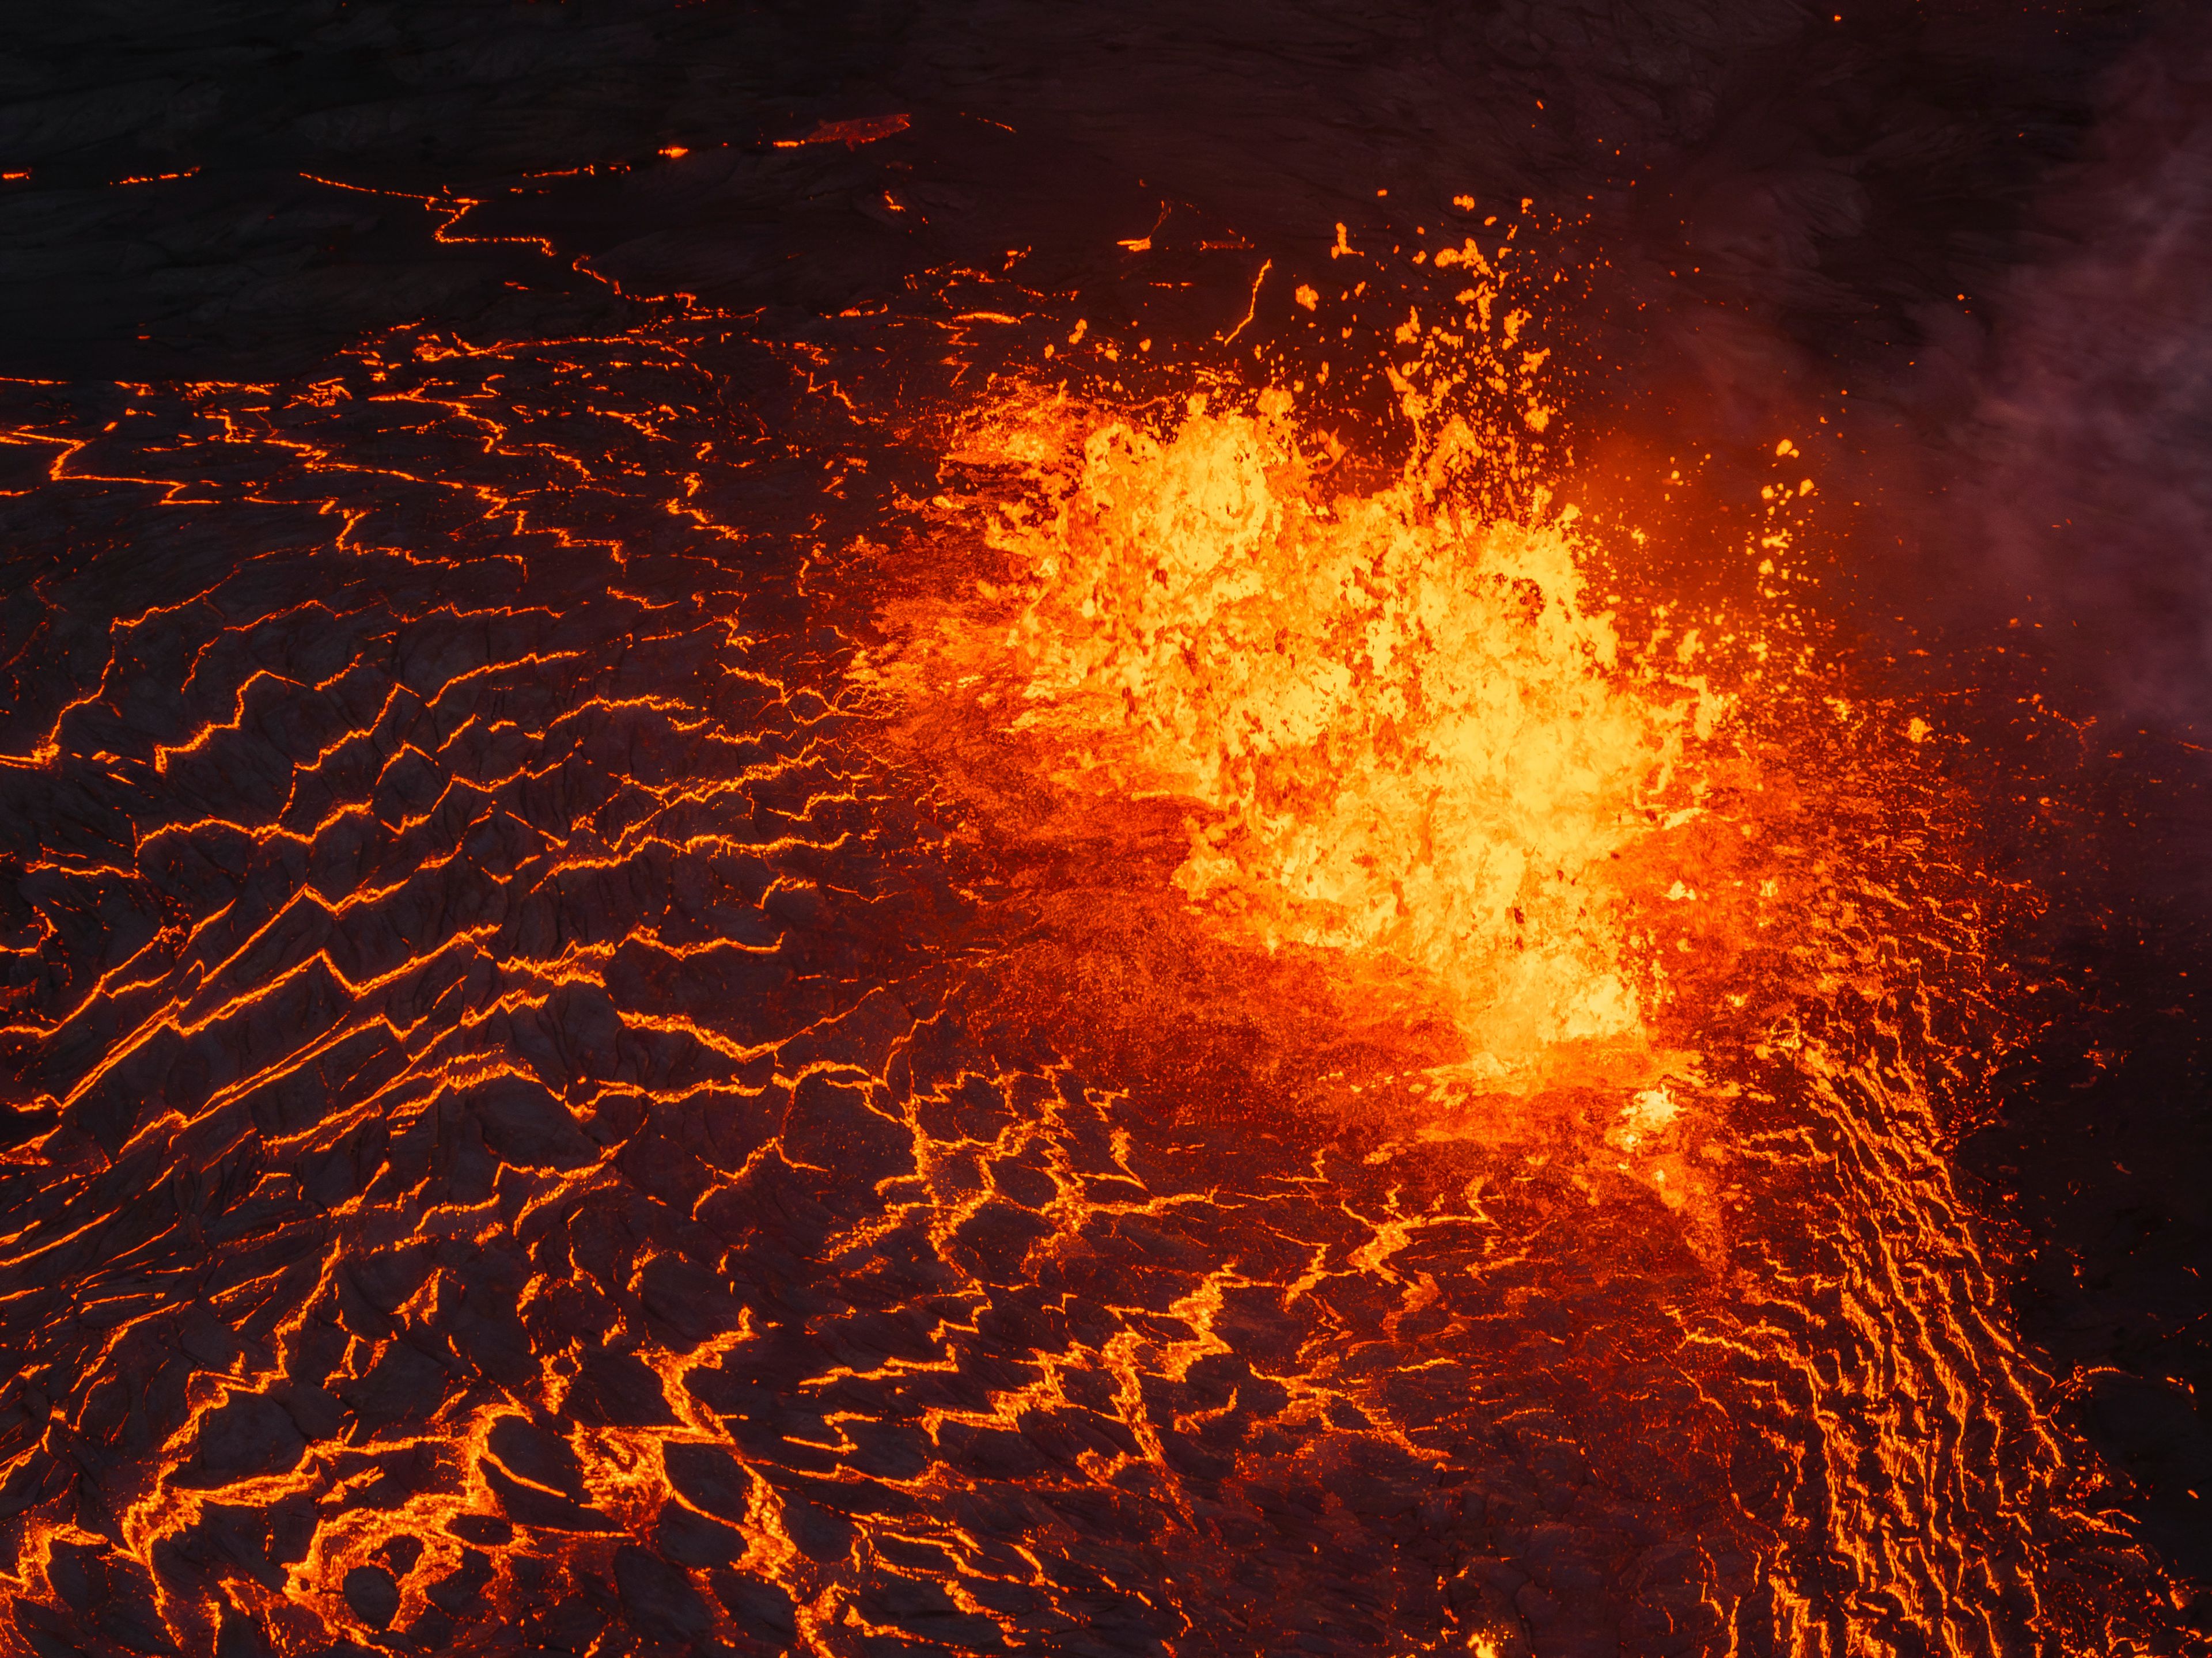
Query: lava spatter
(1415, 731)
(543, 1116)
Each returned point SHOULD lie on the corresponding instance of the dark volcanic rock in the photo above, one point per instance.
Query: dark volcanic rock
(372, 1595)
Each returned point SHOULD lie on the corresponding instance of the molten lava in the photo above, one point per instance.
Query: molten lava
(1413, 732)
(605, 1058)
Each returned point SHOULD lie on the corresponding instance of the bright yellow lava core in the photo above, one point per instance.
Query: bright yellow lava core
(1415, 734)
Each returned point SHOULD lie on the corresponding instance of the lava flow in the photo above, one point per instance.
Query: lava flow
(663, 998)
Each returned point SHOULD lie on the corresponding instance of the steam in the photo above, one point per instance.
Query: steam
(2093, 431)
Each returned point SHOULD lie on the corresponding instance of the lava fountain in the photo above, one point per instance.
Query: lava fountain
(1411, 734)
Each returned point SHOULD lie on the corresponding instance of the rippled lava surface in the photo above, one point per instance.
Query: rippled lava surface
(532, 1127)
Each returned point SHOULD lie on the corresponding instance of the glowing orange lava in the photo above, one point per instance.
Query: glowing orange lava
(1413, 732)
(630, 1033)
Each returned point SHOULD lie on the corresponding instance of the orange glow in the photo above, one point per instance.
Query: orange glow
(1413, 732)
(662, 1026)
(142, 178)
(860, 130)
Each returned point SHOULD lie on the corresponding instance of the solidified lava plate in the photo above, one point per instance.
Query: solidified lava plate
(680, 992)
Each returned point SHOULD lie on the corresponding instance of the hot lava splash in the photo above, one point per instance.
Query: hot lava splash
(672, 993)
(1414, 735)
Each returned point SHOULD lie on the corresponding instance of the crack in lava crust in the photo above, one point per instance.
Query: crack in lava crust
(533, 1128)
